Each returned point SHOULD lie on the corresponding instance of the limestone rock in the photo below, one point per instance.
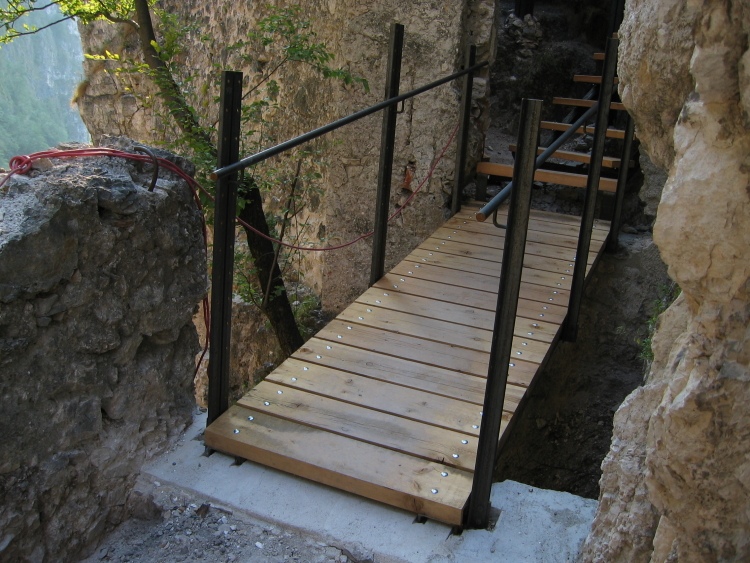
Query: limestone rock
(682, 442)
(98, 282)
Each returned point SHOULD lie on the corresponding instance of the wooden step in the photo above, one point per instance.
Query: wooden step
(607, 161)
(598, 56)
(587, 129)
(548, 176)
(591, 79)
(574, 102)
(342, 462)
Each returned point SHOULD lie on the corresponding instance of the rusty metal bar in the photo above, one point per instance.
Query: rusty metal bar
(387, 147)
(315, 133)
(463, 133)
(570, 327)
(622, 180)
(223, 251)
(478, 513)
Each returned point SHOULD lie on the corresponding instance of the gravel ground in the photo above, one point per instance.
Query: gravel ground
(175, 526)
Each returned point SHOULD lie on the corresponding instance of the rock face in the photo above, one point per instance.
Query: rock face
(98, 282)
(676, 483)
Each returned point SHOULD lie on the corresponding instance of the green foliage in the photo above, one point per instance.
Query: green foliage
(667, 295)
(16, 20)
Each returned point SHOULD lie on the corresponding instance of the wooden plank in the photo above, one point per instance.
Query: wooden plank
(370, 471)
(380, 367)
(559, 280)
(539, 242)
(426, 352)
(468, 297)
(386, 398)
(533, 248)
(439, 331)
(457, 314)
(548, 176)
(381, 429)
(591, 79)
(433, 246)
(583, 157)
(575, 102)
(480, 282)
(587, 129)
(598, 56)
(540, 224)
(402, 346)
(555, 234)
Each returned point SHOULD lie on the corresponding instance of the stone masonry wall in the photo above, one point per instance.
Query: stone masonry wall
(99, 279)
(357, 32)
(676, 482)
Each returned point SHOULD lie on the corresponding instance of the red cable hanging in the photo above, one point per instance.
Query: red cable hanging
(22, 165)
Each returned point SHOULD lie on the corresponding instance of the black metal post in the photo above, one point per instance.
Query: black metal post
(622, 180)
(387, 146)
(570, 328)
(223, 253)
(463, 132)
(505, 317)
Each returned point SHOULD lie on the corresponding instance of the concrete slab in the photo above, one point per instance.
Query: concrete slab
(534, 524)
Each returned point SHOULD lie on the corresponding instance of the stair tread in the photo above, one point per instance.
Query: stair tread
(548, 176)
(591, 79)
(588, 129)
(618, 106)
(607, 161)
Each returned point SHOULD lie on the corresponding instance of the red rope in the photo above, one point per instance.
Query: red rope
(395, 214)
(22, 165)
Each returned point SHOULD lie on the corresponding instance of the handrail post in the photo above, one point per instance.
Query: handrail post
(570, 327)
(387, 147)
(463, 132)
(223, 251)
(622, 180)
(505, 317)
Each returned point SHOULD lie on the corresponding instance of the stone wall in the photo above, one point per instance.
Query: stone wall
(676, 482)
(356, 32)
(99, 279)
(437, 34)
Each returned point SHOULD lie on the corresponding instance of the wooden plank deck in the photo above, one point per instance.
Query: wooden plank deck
(385, 402)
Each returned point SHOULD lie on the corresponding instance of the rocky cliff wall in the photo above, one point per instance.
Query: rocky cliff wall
(99, 279)
(676, 482)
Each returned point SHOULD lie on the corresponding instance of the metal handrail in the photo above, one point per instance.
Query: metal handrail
(492, 205)
(315, 133)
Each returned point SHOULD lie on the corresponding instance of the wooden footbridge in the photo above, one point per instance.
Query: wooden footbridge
(402, 396)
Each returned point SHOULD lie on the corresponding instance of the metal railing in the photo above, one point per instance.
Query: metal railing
(229, 166)
(478, 512)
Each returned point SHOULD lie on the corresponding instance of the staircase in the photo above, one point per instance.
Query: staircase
(572, 172)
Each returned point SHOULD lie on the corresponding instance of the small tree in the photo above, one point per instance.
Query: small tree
(297, 44)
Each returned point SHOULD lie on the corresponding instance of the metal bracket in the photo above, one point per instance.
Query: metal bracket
(154, 161)
(494, 220)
